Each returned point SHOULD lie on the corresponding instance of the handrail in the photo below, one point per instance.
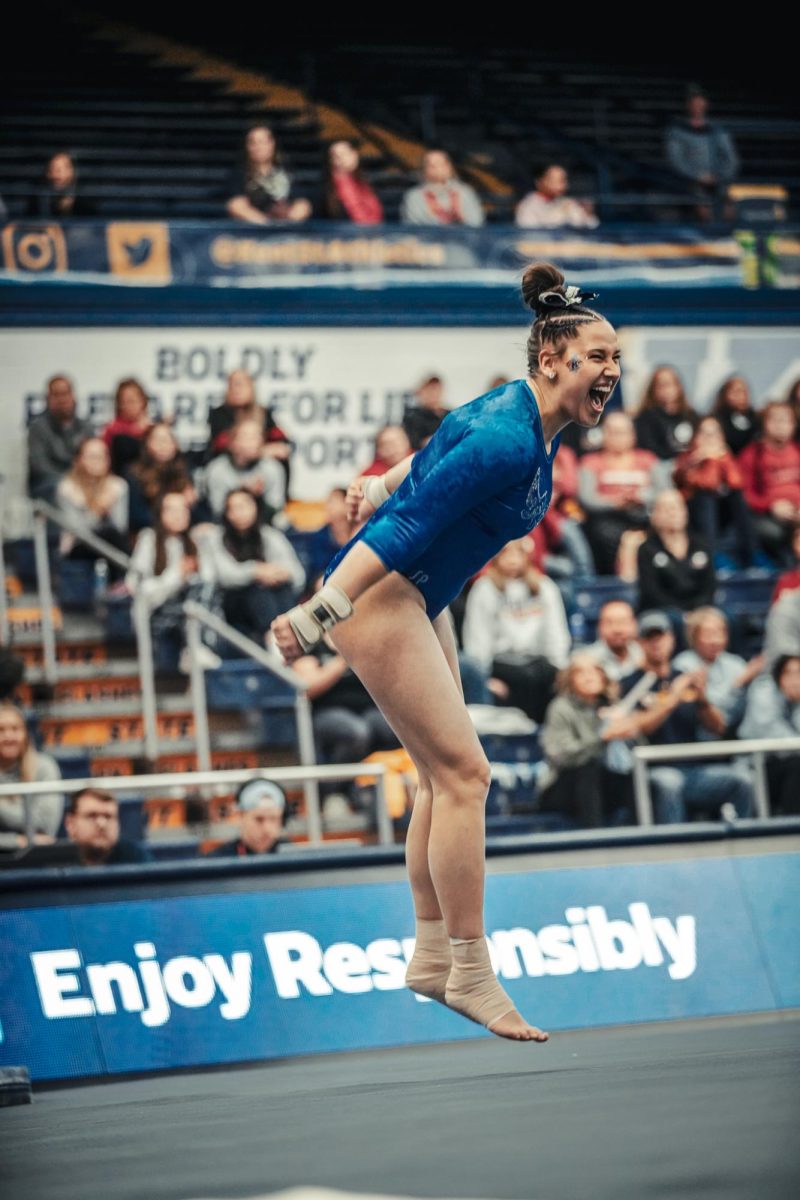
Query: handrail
(42, 513)
(755, 747)
(4, 629)
(196, 616)
(134, 784)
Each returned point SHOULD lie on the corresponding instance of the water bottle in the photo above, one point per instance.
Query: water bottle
(100, 582)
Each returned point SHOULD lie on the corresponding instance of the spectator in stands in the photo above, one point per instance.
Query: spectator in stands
(789, 581)
(262, 806)
(793, 400)
(515, 628)
(702, 152)
(248, 464)
(346, 194)
(560, 548)
(782, 633)
(392, 445)
(12, 672)
(54, 438)
(665, 421)
(617, 648)
(261, 189)
(734, 410)
(727, 676)
(330, 537)
(773, 711)
(159, 468)
(710, 481)
(441, 198)
(255, 565)
(348, 725)
(549, 206)
(425, 412)
(125, 434)
(676, 568)
(670, 711)
(21, 763)
(240, 404)
(92, 824)
(771, 470)
(576, 731)
(615, 487)
(168, 567)
(59, 195)
(95, 500)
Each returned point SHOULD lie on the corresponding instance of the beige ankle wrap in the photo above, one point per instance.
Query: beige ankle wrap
(430, 964)
(472, 988)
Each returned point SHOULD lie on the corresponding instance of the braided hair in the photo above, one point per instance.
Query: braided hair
(560, 310)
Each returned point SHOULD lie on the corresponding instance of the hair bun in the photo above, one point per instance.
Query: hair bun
(538, 278)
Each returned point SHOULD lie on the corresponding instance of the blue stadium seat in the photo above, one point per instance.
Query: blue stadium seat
(241, 685)
(76, 582)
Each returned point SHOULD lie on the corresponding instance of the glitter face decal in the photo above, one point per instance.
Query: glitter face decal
(574, 363)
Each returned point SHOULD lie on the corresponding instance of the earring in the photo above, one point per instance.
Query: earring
(551, 374)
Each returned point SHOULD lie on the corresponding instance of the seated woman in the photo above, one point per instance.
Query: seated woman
(124, 435)
(346, 193)
(773, 711)
(96, 500)
(771, 471)
(167, 568)
(666, 420)
(734, 410)
(710, 481)
(392, 445)
(260, 190)
(578, 727)
(245, 464)
(160, 468)
(675, 565)
(21, 763)
(615, 488)
(727, 676)
(240, 404)
(256, 567)
(515, 628)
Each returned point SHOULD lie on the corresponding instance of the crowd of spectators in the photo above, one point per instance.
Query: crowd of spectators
(261, 186)
(667, 502)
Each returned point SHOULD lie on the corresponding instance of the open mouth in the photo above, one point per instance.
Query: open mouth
(599, 395)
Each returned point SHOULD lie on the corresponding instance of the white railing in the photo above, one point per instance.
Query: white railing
(755, 748)
(135, 785)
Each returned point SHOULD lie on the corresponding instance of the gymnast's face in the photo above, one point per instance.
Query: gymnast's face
(587, 371)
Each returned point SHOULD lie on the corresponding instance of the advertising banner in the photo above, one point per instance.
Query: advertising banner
(217, 254)
(151, 984)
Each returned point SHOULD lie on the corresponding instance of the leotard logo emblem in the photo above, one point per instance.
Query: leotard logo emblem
(537, 501)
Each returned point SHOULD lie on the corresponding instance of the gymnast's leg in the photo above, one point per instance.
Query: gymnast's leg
(423, 704)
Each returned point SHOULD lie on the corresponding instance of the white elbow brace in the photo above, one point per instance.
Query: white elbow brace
(312, 620)
(375, 490)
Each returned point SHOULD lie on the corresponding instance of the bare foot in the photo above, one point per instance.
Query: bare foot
(517, 1029)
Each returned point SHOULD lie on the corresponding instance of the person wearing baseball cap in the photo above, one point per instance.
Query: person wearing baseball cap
(262, 805)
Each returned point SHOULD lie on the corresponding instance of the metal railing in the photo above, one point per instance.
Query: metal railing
(197, 615)
(755, 748)
(135, 785)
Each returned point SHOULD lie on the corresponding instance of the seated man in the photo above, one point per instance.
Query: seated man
(54, 438)
(671, 712)
(92, 824)
(262, 805)
(616, 650)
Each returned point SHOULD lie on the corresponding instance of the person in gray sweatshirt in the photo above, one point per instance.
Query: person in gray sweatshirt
(703, 153)
(245, 464)
(254, 564)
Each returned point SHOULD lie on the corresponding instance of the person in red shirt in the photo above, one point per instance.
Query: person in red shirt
(615, 487)
(771, 471)
(347, 194)
(710, 481)
(125, 434)
(391, 447)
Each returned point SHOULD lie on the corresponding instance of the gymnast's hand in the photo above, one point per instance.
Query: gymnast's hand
(285, 639)
(358, 507)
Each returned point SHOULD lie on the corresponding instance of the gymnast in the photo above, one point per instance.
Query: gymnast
(431, 522)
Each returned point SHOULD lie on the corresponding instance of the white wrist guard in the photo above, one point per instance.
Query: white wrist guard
(375, 490)
(312, 620)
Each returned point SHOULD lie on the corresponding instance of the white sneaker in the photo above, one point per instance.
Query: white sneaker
(207, 659)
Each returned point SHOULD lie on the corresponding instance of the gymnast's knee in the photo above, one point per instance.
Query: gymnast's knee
(464, 781)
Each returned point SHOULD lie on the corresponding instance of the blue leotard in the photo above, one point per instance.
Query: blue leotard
(484, 479)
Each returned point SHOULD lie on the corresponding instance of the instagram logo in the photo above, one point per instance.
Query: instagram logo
(34, 248)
